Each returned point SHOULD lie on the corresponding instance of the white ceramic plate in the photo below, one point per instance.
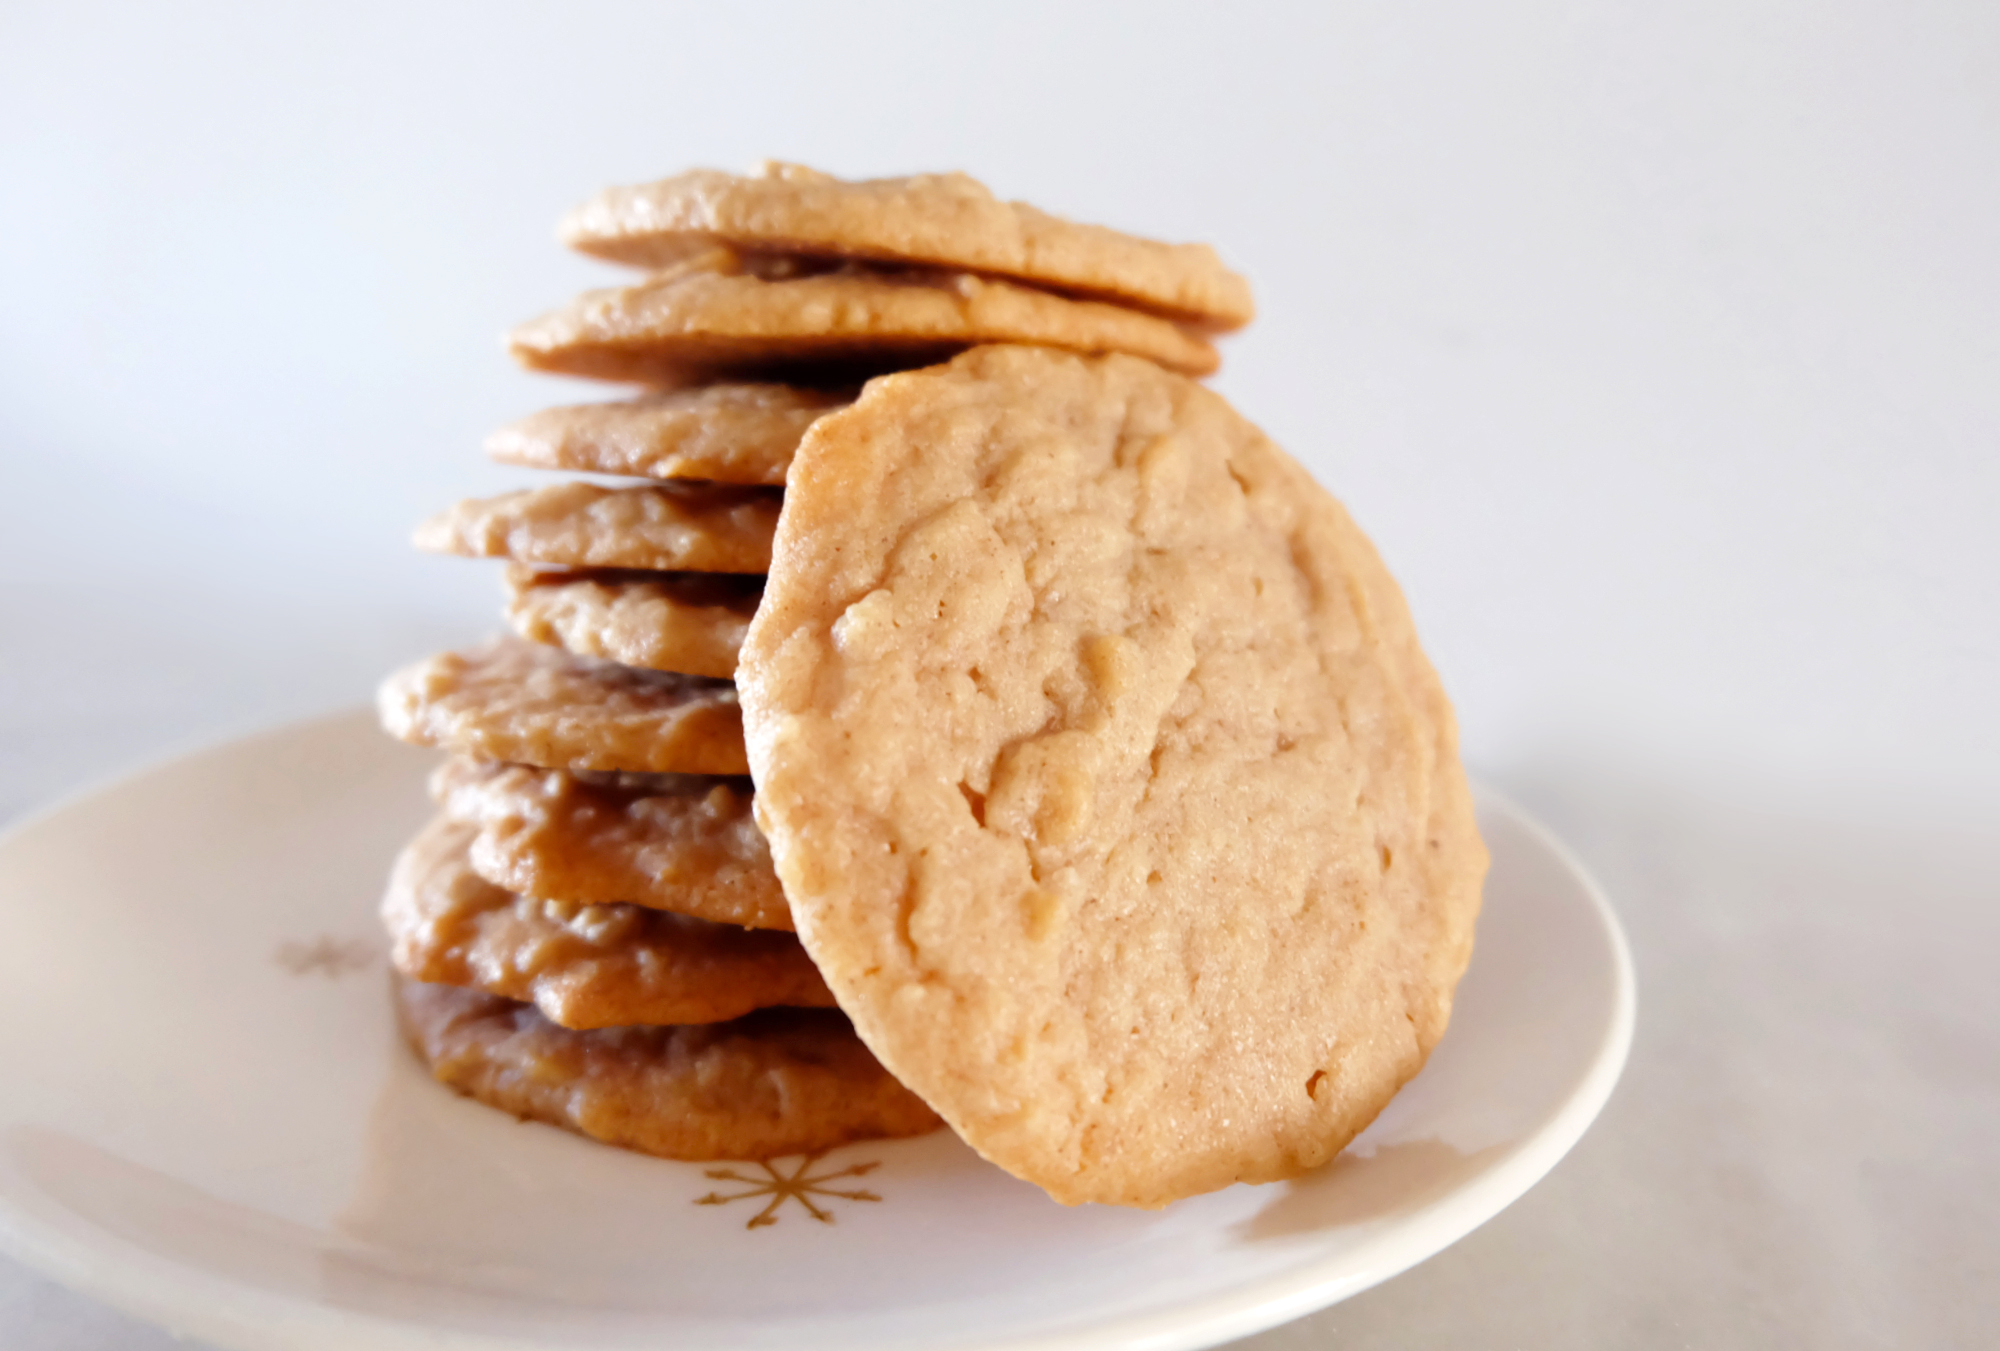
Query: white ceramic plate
(206, 1120)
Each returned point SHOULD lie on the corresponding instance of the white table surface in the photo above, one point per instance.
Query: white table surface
(1657, 350)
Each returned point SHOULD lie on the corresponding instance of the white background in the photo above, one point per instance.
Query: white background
(1657, 345)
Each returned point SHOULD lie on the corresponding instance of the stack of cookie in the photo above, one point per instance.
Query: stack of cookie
(592, 931)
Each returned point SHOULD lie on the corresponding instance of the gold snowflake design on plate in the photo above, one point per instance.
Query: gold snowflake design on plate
(800, 1184)
(325, 956)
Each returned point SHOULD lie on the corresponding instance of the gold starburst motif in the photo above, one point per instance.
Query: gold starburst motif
(800, 1185)
(325, 956)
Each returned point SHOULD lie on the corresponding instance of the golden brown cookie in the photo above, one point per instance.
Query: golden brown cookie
(670, 841)
(782, 1081)
(666, 621)
(725, 433)
(583, 966)
(513, 700)
(721, 314)
(938, 220)
(1112, 793)
(699, 527)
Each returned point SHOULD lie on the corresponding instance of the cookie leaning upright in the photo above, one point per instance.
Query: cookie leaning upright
(1111, 791)
(1105, 785)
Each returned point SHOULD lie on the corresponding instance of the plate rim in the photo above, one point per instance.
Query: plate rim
(195, 1303)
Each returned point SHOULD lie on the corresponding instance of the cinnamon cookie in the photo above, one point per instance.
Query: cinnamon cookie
(1112, 793)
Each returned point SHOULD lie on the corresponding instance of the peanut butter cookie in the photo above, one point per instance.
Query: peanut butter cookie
(692, 622)
(1112, 793)
(700, 527)
(669, 841)
(536, 705)
(583, 966)
(722, 314)
(940, 220)
(782, 1081)
(725, 433)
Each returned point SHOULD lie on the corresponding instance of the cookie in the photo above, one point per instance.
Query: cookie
(782, 1081)
(722, 314)
(666, 621)
(583, 966)
(939, 220)
(669, 841)
(725, 433)
(514, 700)
(698, 527)
(1112, 793)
